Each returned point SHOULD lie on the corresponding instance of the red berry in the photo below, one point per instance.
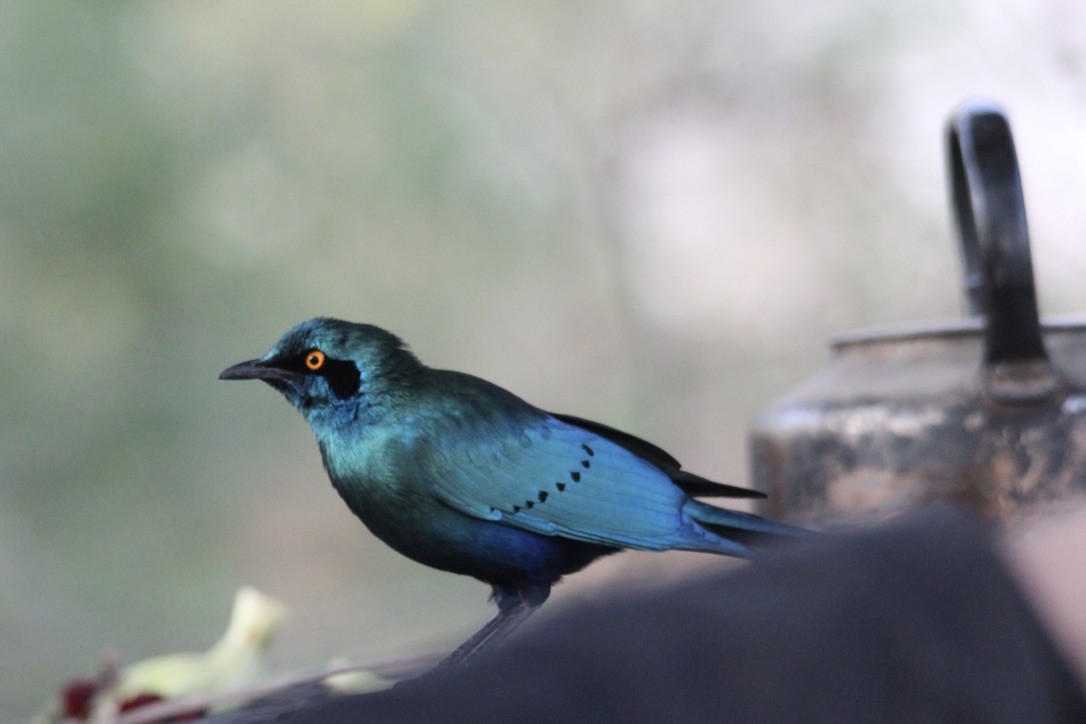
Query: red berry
(77, 696)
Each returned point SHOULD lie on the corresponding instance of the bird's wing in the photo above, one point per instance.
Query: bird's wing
(557, 479)
(691, 484)
(642, 448)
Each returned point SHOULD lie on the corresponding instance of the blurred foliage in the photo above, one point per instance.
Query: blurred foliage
(652, 214)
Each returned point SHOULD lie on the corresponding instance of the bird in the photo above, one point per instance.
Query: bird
(462, 475)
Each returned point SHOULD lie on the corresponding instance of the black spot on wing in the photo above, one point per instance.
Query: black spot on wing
(693, 485)
(560, 486)
(543, 496)
(576, 476)
(642, 448)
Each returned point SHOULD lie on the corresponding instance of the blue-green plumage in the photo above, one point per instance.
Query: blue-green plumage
(461, 475)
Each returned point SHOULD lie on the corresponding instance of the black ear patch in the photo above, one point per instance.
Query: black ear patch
(342, 374)
(343, 377)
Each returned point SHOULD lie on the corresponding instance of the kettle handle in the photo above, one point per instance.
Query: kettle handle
(990, 217)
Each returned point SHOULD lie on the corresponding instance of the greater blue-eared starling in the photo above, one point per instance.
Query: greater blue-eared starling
(461, 475)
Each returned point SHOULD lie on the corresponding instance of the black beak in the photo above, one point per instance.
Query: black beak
(254, 369)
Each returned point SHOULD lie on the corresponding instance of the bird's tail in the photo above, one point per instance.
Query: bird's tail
(743, 528)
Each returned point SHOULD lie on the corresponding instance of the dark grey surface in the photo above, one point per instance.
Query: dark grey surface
(915, 622)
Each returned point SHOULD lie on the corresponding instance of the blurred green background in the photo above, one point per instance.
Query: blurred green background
(652, 214)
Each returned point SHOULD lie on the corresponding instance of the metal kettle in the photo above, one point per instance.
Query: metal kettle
(988, 411)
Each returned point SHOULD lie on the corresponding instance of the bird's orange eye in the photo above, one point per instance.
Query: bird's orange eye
(314, 360)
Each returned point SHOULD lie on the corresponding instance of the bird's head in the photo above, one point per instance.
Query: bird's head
(327, 366)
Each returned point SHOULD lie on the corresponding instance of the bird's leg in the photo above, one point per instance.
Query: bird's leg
(514, 608)
(489, 635)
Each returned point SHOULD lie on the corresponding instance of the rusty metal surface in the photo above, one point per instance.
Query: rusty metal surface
(895, 423)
